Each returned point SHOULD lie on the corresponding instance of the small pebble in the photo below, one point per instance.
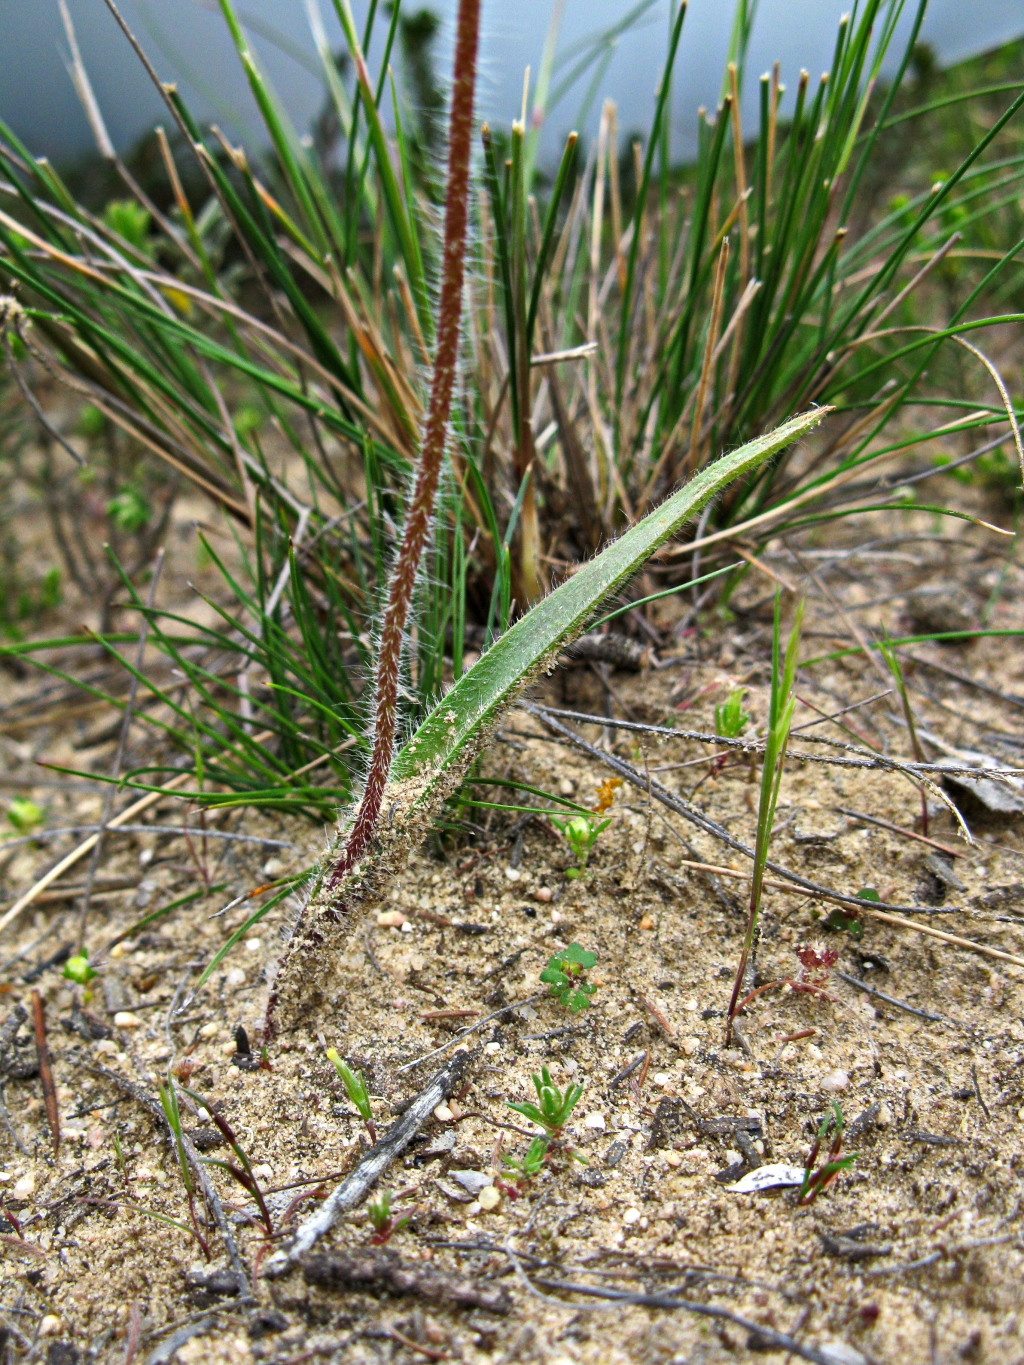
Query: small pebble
(24, 1188)
(50, 1325)
(473, 1181)
(125, 1019)
(253, 944)
(264, 1171)
(662, 1078)
(835, 1081)
(512, 874)
(391, 919)
(471, 1211)
(492, 1047)
(106, 1047)
(647, 922)
(489, 1198)
(673, 1159)
(273, 868)
(208, 1031)
(631, 1216)
(565, 787)
(235, 977)
(884, 1116)
(118, 950)
(595, 1120)
(443, 1113)
(407, 927)
(543, 893)
(690, 1045)
(690, 1005)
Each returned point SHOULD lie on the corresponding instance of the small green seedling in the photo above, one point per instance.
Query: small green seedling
(818, 1181)
(355, 1089)
(581, 833)
(564, 977)
(78, 970)
(554, 1108)
(24, 815)
(552, 1112)
(730, 718)
(532, 1162)
(383, 1220)
(129, 510)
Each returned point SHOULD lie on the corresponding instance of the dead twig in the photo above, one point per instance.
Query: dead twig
(384, 1271)
(355, 1187)
(891, 999)
(45, 1070)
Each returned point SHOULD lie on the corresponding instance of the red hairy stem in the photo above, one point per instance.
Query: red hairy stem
(421, 503)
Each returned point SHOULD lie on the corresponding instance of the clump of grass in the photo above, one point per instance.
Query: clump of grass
(615, 340)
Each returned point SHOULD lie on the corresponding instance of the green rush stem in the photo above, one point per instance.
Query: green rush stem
(421, 505)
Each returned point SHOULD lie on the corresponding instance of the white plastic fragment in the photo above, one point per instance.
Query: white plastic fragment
(767, 1178)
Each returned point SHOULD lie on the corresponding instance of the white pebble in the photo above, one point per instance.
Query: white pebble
(391, 919)
(489, 1198)
(253, 944)
(662, 1078)
(273, 868)
(690, 1005)
(443, 1113)
(631, 1216)
(565, 787)
(264, 1171)
(24, 1188)
(125, 1019)
(492, 1047)
(884, 1116)
(407, 927)
(208, 1031)
(673, 1159)
(835, 1081)
(543, 893)
(595, 1120)
(50, 1325)
(512, 874)
(106, 1047)
(691, 1046)
(235, 977)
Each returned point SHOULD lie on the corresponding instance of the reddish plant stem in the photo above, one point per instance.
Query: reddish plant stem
(421, 503)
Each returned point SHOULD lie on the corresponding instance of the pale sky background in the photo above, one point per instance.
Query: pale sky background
(188, 42)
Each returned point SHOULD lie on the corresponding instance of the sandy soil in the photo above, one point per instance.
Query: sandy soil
(915, 1254)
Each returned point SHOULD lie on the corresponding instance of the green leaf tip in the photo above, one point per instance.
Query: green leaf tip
(486, 689)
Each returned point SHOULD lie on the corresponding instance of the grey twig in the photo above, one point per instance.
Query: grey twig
(357, 1185)
(765, 1336)
(891, 1000)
